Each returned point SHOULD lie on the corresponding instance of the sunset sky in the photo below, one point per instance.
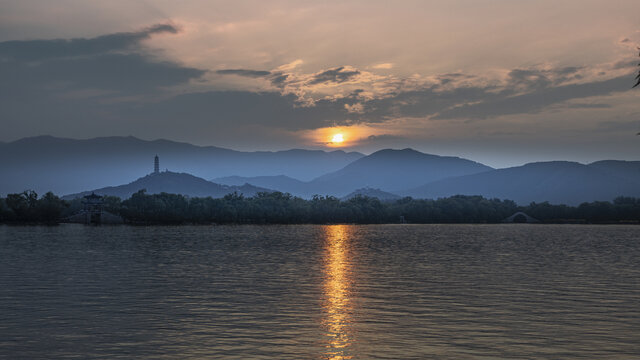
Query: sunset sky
(502, 82)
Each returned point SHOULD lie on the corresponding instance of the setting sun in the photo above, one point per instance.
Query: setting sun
(340, 136)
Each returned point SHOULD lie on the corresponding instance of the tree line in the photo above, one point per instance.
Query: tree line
(283, 208)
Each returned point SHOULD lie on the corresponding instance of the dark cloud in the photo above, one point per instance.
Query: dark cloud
(427, 101)
(531, 79)
(117, 63)
(122, 73)
(244, 72)
(278, 79)
(589, 106)
(624, 64)
(568, 70)
(533, 102)
(41, 50)
(335, 75)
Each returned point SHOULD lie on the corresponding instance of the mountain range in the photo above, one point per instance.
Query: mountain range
(68, 166)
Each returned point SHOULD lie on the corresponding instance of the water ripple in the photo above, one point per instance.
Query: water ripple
(320, 292)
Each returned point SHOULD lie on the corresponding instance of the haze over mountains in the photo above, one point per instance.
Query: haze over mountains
(389, 170)
(68, 166)
(65, 166)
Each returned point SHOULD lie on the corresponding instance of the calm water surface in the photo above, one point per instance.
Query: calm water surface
(320, 292)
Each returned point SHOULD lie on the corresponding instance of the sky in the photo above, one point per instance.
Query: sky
(497, 81)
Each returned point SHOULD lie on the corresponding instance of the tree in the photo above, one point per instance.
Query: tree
(23, 205)
(50, 208)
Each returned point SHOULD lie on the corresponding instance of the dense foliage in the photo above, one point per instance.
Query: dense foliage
(27, 208)
(280, 208)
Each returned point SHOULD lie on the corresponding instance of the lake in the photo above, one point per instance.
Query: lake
(320, 292)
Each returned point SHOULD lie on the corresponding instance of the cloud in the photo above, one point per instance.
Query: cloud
(290, 66)
(114, 82)
(244, 72)
(354, 108)
(336, 75)
(384, 66)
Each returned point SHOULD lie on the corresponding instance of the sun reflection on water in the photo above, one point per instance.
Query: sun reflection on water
(338, 302)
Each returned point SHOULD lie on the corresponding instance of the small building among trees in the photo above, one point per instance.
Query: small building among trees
(520, 218)
(93, 212)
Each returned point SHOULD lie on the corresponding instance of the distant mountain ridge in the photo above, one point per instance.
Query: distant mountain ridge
(173, 183)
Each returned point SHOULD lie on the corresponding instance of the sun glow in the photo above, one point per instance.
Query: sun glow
(341, 136)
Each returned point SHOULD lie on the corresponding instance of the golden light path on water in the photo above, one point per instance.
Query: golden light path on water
(337, 290)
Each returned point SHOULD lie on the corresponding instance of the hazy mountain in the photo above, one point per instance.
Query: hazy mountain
(280, 183)
(69, 166)
(625, 169)
(392, 171)
(173, 183)
(376, 193)
(66, 165)
(558, 182)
